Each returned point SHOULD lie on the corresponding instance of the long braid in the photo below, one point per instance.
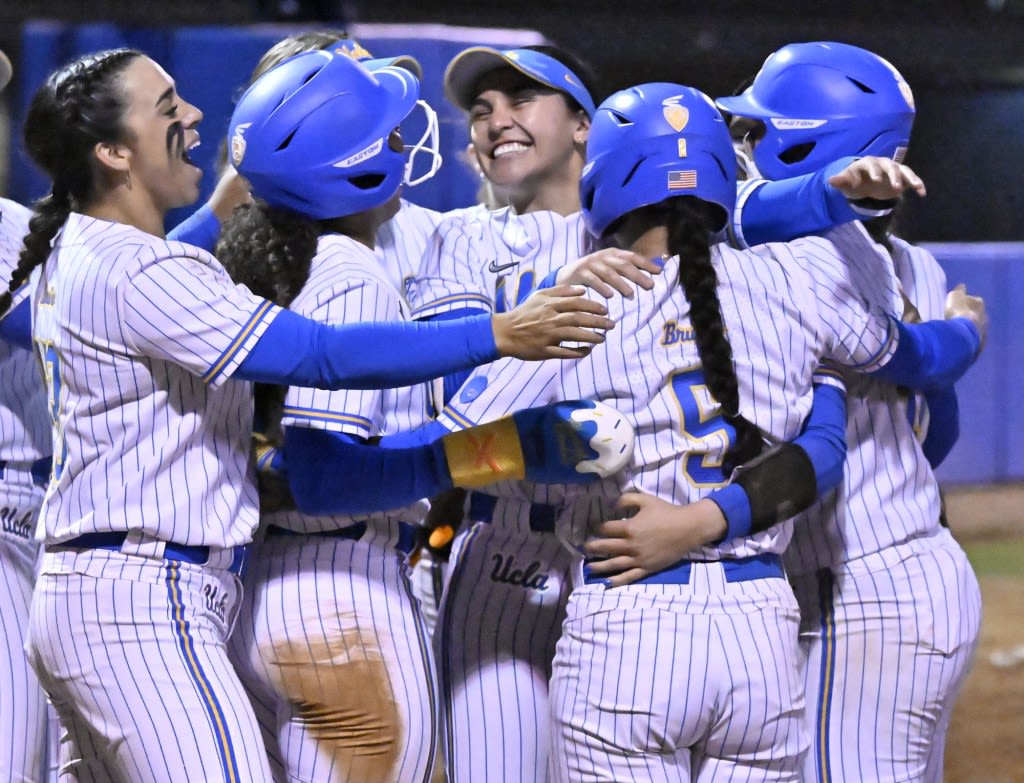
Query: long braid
(689, 235)
(79, 106)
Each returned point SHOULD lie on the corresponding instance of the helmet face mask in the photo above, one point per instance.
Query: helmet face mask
(311, 134)
(653, 142)
(428, 144)
(823, 101)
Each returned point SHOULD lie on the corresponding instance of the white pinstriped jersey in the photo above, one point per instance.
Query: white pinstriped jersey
(870, 267)
(139, 338)
(786, 307)
(401, 242)
(491, 260)
(347, 284)
(24, 422)
(889, 493)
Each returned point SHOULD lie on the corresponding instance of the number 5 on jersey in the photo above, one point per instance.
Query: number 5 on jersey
(702, 425)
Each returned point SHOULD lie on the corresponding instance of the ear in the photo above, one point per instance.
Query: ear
(582, 131)
(112, 156)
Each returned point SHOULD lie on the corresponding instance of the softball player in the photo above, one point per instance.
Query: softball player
(361, 658)
(139, 338)
(884, 591)
(529, 113)
(622, 710)
(24, 466)
(330, 632)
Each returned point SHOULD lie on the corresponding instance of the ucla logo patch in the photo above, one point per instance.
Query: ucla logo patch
(238, 143)
(473, 389)
(675, 115)
(353, 49)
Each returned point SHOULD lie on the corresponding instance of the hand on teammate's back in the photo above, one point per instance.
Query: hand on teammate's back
(960, 304)
(536, 328)
(610, 270)
(881, 179)
(658, 535)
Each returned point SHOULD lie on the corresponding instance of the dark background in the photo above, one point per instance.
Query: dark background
(964, 60)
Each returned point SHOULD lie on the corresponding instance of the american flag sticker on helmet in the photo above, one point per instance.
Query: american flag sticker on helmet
(682, 180)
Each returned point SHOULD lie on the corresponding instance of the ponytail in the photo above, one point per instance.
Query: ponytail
(270, 251)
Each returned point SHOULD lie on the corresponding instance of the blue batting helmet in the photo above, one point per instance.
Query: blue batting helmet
(652, 142)
(821, 102)
(311, 134)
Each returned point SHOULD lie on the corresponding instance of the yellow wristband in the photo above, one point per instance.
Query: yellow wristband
(485, 454)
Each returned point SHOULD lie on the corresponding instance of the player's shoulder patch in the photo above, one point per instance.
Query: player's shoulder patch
(473, 388)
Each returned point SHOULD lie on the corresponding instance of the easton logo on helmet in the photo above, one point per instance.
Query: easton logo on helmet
(362, 155)
(785, 123)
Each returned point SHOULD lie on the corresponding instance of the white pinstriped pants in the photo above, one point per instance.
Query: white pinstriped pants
(23, 710)
(132, 652)
(695, 682)
(888, 641)
(332, 647)
(495, 640)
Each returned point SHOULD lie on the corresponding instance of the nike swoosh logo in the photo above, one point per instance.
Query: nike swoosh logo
(494, 266)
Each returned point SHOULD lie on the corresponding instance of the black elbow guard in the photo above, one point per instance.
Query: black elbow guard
(779, 483)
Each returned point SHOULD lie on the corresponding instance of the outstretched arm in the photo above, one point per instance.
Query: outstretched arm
(846, 190)
(564, 443)
(295, 351)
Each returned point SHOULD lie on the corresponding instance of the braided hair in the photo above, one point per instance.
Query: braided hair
(690, 226)
(79, 106)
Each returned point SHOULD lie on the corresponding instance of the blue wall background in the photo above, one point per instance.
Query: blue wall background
(212, 64)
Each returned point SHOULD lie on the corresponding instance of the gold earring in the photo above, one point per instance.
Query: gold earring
(128, 179)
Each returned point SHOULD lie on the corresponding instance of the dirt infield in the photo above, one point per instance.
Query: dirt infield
(985, 742)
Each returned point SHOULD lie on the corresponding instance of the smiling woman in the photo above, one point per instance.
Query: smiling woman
(149, 350)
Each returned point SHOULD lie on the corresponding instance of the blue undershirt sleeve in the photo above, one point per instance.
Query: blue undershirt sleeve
(334, 473)
(201, 229)
(799, 206)
(295, 351)
(823, 439)
(931, 354)
(16, 325)
(943, 424)
(453, 381)
(422, 435)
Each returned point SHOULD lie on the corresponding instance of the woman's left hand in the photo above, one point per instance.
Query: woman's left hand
(658, 535)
